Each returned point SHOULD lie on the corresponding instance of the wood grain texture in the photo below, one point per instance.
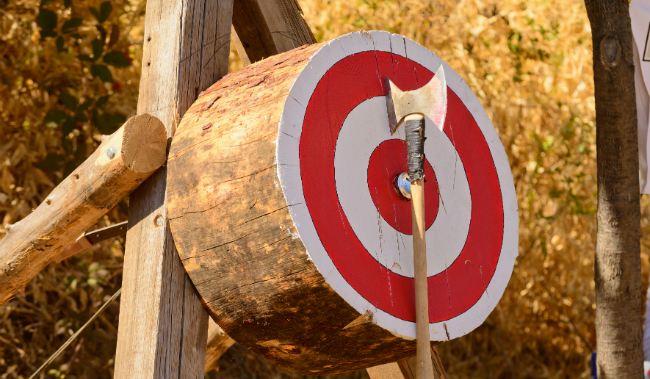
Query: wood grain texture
(386, 371)
(163, 326)
(218, 343)
(269, 27)
(406, 368)
(237, 240)
(76, 204)
(424, 367)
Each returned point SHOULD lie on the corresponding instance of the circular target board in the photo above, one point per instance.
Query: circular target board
(336, 162)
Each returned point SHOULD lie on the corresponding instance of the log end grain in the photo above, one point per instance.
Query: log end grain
(144, 143)
(237, 240)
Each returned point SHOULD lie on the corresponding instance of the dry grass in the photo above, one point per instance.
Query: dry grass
(528, 62)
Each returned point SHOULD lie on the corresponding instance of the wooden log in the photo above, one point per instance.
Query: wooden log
(115, 169)
(233, 230)
(271, 178)
(218, 343)
(163, 326)
(269, 27)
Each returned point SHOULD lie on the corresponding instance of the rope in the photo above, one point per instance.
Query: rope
(74, 336)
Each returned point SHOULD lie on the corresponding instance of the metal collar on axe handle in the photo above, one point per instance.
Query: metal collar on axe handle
(410, 108)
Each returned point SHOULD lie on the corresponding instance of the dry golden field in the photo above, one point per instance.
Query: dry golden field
(529, 62)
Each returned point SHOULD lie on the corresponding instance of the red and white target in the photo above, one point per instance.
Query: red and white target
(336, 163)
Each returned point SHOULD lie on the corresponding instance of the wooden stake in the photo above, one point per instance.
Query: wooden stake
(118, 166)
(424, 368)
(163, 325)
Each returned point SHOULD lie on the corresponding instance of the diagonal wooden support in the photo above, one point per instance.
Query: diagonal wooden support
(405, 369)
(163, 326)
(269, 27)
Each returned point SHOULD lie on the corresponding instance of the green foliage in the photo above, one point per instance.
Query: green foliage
(102, 72)
(89, 46)
(47, 20)
(117, 59)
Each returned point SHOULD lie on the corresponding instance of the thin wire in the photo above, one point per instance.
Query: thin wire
(72, 338)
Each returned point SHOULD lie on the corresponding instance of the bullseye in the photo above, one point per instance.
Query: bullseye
(386, 162)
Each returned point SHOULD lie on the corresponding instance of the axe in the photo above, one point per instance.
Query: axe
(410, 108)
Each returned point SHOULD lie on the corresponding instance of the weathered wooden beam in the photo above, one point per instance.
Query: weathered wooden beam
(218, 343)
(405, 368)
(269, 27)
(115, 169)
(163, 326)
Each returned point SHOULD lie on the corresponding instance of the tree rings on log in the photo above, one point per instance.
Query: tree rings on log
(283, 208)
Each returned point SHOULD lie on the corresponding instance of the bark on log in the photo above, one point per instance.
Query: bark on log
(617, 258)
(115, 169)
(233, 231)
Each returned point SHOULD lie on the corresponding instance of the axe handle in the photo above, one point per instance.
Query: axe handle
(424, 367)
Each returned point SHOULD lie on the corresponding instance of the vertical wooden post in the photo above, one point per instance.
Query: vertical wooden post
(163, 326)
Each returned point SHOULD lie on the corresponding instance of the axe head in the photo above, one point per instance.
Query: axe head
(430, 101)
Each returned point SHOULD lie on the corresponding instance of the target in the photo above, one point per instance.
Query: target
(336, 163)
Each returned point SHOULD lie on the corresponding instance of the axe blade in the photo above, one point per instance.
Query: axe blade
(429, 100)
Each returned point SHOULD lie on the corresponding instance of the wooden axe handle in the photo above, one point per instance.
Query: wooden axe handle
(415, 124)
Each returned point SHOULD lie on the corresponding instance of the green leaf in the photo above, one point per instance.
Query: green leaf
(71, 24)
(102, 32)
(46, 2)
(47, 33)
(67, 3)
(101, 101)
(85, 58)
(47, 19)
(51, 162)
(80, 154)
(108, 123)
(85, 105)
(95, 12)
(59, 44)
(67, 144)
(117, 59)
(54, 117)
(102, 72)
(68, 126)
(82, 117)
(98, 48)
(105, 10)
(69, 101)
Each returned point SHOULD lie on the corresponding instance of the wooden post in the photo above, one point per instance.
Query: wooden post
(269, 27)
(163, 326)
(115, 169)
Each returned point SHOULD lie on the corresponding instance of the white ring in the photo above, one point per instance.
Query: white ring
(363, 130)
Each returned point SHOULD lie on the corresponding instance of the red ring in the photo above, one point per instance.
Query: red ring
(387, 161)
(349, 82)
